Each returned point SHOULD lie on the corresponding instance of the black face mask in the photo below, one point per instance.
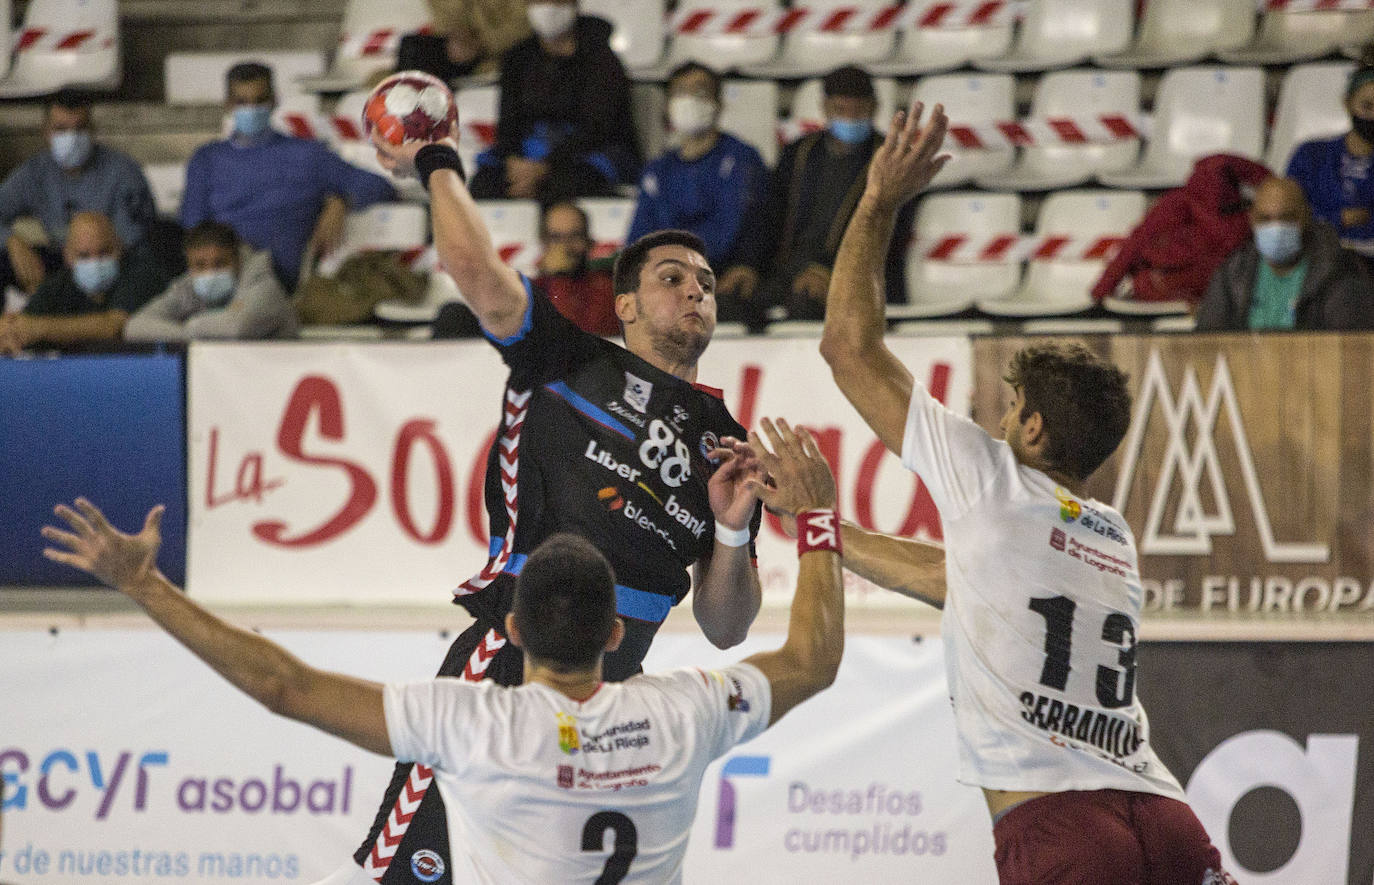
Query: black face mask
(1364, 127)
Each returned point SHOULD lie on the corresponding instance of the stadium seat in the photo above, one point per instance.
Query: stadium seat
(749, 111)
(807, 52)
(795, 329)
(167, 182)
(1177, 32)
(1076, 93)
(1055, 287)
(399, 226)
(198, 77)
(608, 220)
(1310, 105)
(808, 115)
(1072, 326)
(1061, 33)
(368, 42)
(720, 51)
(1359, 34)
(7, 17)
(944, 288)
(941, 328)
(971, 98)
(649, 108)
(932, 50)
(478, 108)
(638, 35)
(1198, 111)
(1288, 37)
(63, 43)
(514, 227)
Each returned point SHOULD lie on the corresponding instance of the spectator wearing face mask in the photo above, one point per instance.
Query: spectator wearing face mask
(1337, 174)
(75, 174)
(1293, 274)
(565, 129)
(286, 195)
(91, 298)
(228, 291)
(710, 180)
(789, 243)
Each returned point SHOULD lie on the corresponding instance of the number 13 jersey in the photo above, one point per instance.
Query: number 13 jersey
(1041, 617)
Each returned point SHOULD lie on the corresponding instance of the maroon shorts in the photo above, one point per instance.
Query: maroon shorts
(1105, 837)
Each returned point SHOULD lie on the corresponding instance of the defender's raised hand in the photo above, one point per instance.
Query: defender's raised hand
(909, 157)
(103, 551)
(799, 477)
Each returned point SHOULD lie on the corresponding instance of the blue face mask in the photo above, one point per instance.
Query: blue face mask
(214, 287)
(96, 274)
(850, 131)
(71, 148)
(1278, 241)
(252, 120)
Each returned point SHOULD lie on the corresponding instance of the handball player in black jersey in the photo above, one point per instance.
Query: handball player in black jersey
(617, 444)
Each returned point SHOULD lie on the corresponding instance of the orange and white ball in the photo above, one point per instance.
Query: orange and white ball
(410, 106)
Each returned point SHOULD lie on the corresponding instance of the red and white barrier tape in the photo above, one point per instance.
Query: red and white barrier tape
(377, 42)
(1316, 5)
(1009, 248)
(81, 40)
(1031, 132)
(335, 128)
(768, 21)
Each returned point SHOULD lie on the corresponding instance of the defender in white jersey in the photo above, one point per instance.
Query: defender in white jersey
(565, 778)
(1042, 599)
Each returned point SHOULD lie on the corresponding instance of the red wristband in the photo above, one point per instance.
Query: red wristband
(818, 530)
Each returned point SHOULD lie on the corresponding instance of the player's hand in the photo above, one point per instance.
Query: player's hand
(908, 158)
(99, 549)
(732, 487)
(799, 477)
(399, 159)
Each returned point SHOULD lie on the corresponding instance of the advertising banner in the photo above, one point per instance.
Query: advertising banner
(346, 473)
(1247, 470)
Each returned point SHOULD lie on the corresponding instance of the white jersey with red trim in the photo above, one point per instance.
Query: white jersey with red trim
(1040, 622)
(542, 788)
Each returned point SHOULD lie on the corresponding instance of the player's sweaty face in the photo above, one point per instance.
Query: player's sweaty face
(677, 293)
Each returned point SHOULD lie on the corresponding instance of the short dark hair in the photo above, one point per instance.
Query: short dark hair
(249, 72)
(564, 204)
(1082, 399)
(68, 100)
(564, 603)
(690, 66)
(849, 81)
(630, 261)
(211, 233)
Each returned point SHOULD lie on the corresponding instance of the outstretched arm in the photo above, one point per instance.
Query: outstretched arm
(727, 594)
(492, 289)
(341, 705)
(867, 372)
(902, 565)
(810, 658)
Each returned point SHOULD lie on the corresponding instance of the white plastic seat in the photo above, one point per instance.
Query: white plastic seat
(931, 50)
(795, 329)
(943, 288)
(1177, 32)
(1311, 105)
(167, 181)
(1072, 326)
(8, 19)
(392, 226)
(1198, 111)
(478, 109)
(514, 228)
(720, 51)
(808, 102)
(1077, 93)
(1359, 32)
(63, 43)
(368, 42)
(970, 98)
(807, 52)
(638, 35)
(1287, 37)
(749, 111)
(1060, 33)
(941, 328)
(1054, 287)
(608, 220)
(198, 77)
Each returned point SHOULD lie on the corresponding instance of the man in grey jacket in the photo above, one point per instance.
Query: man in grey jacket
(228, 291)
(1292, 274)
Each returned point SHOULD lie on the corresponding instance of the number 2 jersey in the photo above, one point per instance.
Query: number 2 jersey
(542, 788)
(598, 442)
(1040, 622)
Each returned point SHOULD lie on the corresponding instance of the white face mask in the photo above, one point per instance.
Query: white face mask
(550, 20)
(691, 114)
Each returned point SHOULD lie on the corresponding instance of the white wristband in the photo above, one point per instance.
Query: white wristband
(731, 537)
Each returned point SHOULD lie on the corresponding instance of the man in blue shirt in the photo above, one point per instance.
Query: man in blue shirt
(710, 181)
(286, 195)
(75, 174)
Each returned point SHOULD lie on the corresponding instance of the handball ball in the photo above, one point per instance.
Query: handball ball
(410, 106)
